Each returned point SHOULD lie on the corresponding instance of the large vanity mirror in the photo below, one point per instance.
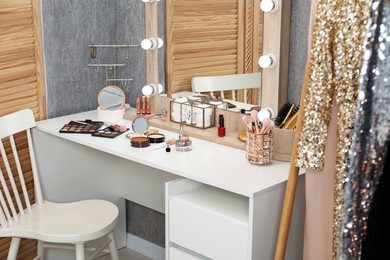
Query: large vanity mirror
(211, 38)
(208, 38)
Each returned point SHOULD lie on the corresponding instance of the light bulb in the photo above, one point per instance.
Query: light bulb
(269, 6)
(151, 90)
(267, 61)
(149, 1)
(160, 88)
(147, 90)
(160, 43)
(266, 112)
(149, 44)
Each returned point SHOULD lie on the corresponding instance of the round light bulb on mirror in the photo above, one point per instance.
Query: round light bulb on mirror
(149, 1)
(151, 90)
(267, 61)
(269, 6)
(148, 44)
(266, 112)
(147, 90)
(160, 88)
(160, 43)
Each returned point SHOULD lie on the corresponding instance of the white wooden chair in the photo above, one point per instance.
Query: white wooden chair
(228, 83)
(58, 225)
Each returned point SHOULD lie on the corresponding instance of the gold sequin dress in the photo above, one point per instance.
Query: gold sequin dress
(335, 62)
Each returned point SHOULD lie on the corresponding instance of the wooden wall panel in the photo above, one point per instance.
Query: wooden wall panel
(205, 38)
(21, 59)
(21, 86)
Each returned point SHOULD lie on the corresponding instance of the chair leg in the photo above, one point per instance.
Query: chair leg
(13, 249)
(80, 254)
(112, 245)
(41, 250)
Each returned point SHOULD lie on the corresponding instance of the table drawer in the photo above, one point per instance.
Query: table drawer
(177, 254)
(210, 222)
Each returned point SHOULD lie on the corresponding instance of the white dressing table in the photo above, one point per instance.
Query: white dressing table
(214, 178)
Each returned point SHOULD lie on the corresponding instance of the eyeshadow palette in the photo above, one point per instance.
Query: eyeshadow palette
(108, 132)
(81, 127)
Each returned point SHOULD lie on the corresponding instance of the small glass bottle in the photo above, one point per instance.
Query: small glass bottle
(183, 144)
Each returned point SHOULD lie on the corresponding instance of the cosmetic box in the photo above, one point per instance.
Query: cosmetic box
(283, 144)
(194, 114)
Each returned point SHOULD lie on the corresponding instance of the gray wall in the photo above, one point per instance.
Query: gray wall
(300, 16)
(68, 27)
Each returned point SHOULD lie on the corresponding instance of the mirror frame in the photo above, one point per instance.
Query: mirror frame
(276, 40)
(151, 31)
(103, 90)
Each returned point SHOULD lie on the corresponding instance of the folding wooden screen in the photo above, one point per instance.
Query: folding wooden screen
(21, 83)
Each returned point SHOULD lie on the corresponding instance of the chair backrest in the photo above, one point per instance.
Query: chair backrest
(228, 83)
(10, 125)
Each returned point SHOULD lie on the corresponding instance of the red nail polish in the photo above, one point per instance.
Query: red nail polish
(221, 128)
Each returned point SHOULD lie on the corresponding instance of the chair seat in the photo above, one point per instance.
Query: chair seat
(65, 222)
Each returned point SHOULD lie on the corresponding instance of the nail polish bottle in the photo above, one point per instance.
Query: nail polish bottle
(221, 128)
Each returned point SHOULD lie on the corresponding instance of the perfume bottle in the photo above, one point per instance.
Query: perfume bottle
(183, 144)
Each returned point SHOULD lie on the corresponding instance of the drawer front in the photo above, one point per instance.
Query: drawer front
(177, 254)
(206, 232)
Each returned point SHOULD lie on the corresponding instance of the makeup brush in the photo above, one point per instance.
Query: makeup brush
(247, 124)
(292, 121)
(245, 120)
(266, 126)
(115, 127)
(282, 113)
(150, 116)
(243, 110)
(254, 117)
(288, 116)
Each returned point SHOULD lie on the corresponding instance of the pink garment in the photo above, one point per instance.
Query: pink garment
(319, 185)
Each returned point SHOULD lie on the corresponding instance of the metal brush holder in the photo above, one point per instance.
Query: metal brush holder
(259, 148)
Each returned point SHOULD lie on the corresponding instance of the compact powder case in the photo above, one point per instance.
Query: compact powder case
(132, 135)
(156, 138)
(140, 142)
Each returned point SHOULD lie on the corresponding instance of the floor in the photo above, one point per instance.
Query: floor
(126, 254)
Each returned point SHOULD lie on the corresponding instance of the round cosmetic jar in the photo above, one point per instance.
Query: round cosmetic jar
(184, 144)
(140, 142)
(156, 138)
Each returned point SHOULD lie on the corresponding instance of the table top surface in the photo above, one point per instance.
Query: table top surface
(210, 163)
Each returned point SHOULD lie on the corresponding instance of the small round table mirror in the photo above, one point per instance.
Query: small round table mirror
(140, 125)
(111, 98)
